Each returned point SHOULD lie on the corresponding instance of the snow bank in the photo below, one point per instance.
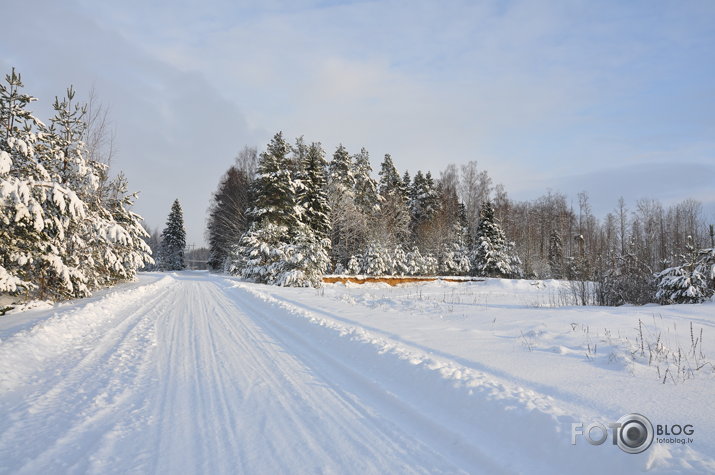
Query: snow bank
(24, 353)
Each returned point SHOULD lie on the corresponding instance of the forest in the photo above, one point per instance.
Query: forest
(288, 215)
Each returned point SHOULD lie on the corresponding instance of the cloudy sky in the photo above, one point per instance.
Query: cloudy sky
(612, 97)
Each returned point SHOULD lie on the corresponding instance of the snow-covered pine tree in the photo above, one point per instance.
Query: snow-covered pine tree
(305, 259)
(340, 171)
(35, 210)
(173, 240)
(261, 253)
(424, 203)
(405, 186)
(417, 188)
(298, 157)
(64, 237)
(21, 196)
(308, 253)
(492, 255)
(86, 245)
(389, 178)
(690, 282)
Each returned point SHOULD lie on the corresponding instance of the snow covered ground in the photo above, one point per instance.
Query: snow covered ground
(197, 373)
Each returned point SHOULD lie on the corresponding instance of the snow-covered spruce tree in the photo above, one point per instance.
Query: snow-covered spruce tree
(423, 202)
(415, 263)
(87, 246)
(173, 240)
(399, 262)
(394, 220)
(314, 194)
(366, 196)
(374, 260)
(260, 254)
(280, 248)
(308, 255)
(454, 258)
(431, 264)
(354, 266)
(493, 255)
(691, 282)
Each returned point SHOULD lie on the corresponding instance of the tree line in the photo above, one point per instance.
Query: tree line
(287, 216)
(66, 226)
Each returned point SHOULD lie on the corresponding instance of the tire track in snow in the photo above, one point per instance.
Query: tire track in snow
(260, 408)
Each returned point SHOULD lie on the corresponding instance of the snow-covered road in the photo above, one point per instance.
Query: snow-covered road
(194, 373)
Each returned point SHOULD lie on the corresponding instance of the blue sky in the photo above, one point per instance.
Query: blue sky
(615, 98)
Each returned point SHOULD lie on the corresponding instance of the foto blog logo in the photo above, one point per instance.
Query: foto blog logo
(632, 433)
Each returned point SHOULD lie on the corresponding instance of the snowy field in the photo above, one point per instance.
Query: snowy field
(197, 373)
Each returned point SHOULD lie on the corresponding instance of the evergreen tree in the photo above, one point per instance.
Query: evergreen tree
(404, 187)
(366, 197)
(314, 196)
(455, 258)
(173, 240)
(691, 282)
(395, 215)
(399, 262)
(431, 264)
(415, 262)
(276, 197)
(22, 196)
(62, 236)
(354, 266)
(374, 260)
(281, 247)
(492, 254)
